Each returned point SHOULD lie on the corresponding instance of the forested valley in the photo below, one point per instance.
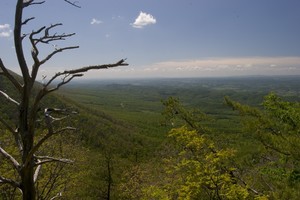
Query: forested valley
(197, 138)
(227, 138)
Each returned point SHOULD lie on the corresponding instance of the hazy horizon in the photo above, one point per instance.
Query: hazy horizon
(167, 38)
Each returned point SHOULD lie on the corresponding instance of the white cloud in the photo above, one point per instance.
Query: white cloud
(5, 30)
(4, 26)
(143, 19)
(96, 21)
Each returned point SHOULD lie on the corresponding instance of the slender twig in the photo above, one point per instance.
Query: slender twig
(58, 195)
(57, 51)
(14, 132)
(9, 181)
(46, 38)
(9, 98)
(48, 159)
(73, 3)
(12, 79)
(31, 2)
(27, 20)
(37, 172)
(13, 161)
(7, 126)
(47, 136)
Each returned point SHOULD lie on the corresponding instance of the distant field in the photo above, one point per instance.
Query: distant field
(139, 101)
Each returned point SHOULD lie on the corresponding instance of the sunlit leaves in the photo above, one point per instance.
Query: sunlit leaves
(277, 126)
(201, 170)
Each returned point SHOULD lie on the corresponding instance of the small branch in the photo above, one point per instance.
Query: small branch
(31, 2)
(27, 20)
(12, 79)
(24, 36)
(48, 159)
(64, 81)
(9, 181)
(58, 195)
(247, 186)
(79, 71)
(57, 51)
(9, 98)
(57, 119)
(7, 125)
(47, 136)
(37, 172)
(274, 148)
(73, 3)
(13, 161)
(14, 132)
(49, 120)
(47, 37)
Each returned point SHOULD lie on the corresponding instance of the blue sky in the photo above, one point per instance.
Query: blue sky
(167, 38)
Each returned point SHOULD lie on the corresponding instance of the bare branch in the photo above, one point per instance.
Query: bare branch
(9, 181)
(13, 161)
(37, 172)
(57, 51)
(48, 120)
(79, 71)
(48, 159)
(7, 125)
(33, 33)
(24, 36)
(58, 195)
(31, 2)
(27, 20)
(73, 3)
(57, 119)
(47, 136)
(47, 37)
(12, 79)
(9, 98)
(14, 132)
(64, 81)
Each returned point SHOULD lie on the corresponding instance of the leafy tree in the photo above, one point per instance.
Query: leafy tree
(277, 126)
(194, 167)
(25, 156)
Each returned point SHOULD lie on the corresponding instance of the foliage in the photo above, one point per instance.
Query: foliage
(195, 169)
(148, 165)
(277, 127)
(201, 171)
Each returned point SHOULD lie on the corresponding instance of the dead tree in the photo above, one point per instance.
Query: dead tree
(29, 162)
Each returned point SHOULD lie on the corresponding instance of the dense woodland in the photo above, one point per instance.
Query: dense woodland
(222, 138)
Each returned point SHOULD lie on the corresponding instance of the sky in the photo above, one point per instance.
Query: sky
(164, 38)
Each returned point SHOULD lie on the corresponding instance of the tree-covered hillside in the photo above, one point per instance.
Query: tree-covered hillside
(98, 141)
(172, 139)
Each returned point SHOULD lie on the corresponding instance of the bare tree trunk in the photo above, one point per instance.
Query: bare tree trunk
(27, 135)
(27, 186)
